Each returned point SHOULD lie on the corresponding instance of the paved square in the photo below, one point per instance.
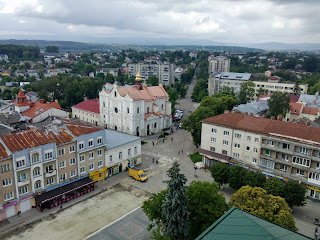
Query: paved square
(130, 230)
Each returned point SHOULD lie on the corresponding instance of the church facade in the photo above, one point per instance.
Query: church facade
(137, 110)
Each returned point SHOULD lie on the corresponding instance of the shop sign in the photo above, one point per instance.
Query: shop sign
(9, 205)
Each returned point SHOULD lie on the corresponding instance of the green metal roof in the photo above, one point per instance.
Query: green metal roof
(237, 224)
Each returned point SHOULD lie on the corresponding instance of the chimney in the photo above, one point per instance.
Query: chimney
(56, 100)
(280, 117)
(273, 117)
(41, 100)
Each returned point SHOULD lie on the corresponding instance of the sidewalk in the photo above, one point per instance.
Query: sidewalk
(33, 216)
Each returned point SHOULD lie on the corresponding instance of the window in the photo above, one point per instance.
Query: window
(237, 135)
(23, 190)
(37, 185)
(72, 161)
(100, 164)
(99, 153)
(91, 155)
(81, 145)
(266, 163)
(269, 142)
(120, 155)
(71, 149)
(135, 150)
(237, 145)
(268, 152)
(247, 148)
(285, 146)
(35, 158)
(318, 165)
(129, 151)
(50, 181)
(61, 152)
(137, 110)
(48, 155)
(161, 106)
(62, 164)
(22, 177)
(115, 94)
(213, 139)
(255, 150)
(224, 152)
(214, 130)
(6, 182)
(110, 158)
(248, 138)
(284, 157)
(212, 149)
(256, 140)
(301, 161)
(226, 133)
(224, 142)
(8, 196)
(49, 169)
(21, 163)
(36, 172)
(283, 168)
(81, 158)
(73, 173)
(128, 110)
(5, 168)
(236, 155)
(99, 140)
(303, 150)
(91, 167)
(90, 143)
(63, 177)
(82, 170)
(300, 172)
(254, 160)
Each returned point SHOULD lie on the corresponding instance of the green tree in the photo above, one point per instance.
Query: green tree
(153, 80)
(14, 92)
(311, 63)
(294, 194)
(205, 206)
(263, 91)
(200, 90)
(174, 209)
(296, 88)
(220, 173)
(258, 202)
(274, 186)
(254, 179)
(279, 104)
(52, 49)
(109, 78)
(237, 177)
(246, 92)
(6, 94)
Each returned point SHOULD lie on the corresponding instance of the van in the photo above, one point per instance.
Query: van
(137, 174)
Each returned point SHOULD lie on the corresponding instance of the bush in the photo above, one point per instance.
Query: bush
(196, 157)
(143, 142)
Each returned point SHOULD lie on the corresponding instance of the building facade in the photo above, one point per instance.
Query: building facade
(287, 150)
(88, 111)
(164, 72)
(41, 168)
(218, 81)
(219, 64)
(137, 110)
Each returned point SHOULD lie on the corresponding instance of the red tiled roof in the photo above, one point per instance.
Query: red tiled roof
(146, 93)
(91, 105)
(290, 130)
(296, 108)
(21, 94)
(294, 98)
(310, 110)
(37, 108)
(79, 129)
(3, 152)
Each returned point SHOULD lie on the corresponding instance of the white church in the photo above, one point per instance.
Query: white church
(137, 110)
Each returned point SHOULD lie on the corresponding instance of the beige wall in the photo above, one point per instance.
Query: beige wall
(66, 158)
(86, 116)
(86, 163)
(7, 175)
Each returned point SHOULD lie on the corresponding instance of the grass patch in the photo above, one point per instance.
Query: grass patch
(143, 142)
(196, 157)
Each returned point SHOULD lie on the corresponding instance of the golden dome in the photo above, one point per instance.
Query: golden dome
(138, 77)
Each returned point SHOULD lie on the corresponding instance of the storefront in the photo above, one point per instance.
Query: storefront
(312, 192)
(99, 175)
(132, 162)
(64, 194)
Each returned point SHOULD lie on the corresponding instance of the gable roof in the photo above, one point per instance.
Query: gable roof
(37, 108)
(289, 130)
(296, 108)
(238, 224)
(79, 129)
(90, 105)
(3, 152)
(116, 139)
(310, 110)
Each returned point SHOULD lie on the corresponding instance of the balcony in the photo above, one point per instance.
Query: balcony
(301, 154)
(50, 174)
(23, 182)
(313, 181)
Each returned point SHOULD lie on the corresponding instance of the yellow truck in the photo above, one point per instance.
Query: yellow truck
(137, 174)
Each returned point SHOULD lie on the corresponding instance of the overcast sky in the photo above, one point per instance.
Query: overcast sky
(289, 21)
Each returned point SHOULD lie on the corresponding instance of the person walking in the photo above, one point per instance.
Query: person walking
(152, 143)
(157, 162)
(179, 152)
(153, 160)
(182, 151)
(172, 139)
(162, 140)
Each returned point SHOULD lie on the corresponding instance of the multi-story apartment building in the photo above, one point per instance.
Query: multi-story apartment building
(219, 64)
(45, 168)
(136, 110)
(219, 80)
(164, 71)
(286, 150)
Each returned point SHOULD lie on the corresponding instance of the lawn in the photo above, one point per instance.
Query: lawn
(195, 157)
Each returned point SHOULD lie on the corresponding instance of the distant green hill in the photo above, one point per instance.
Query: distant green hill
(70, 46)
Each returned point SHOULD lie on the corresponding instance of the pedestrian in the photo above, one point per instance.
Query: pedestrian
(179, 152)
(152, 143)
(163, 140)
(153, 160)
(19, 213)
(157, 162)
(182, 151)
(157, 142)
(177, 128)
(172, 139)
